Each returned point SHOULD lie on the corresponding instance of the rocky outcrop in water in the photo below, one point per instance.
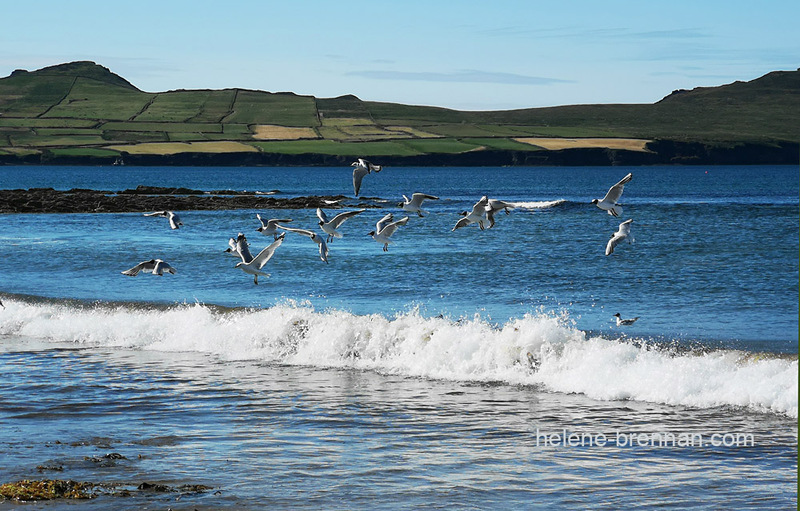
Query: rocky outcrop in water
(149, 198)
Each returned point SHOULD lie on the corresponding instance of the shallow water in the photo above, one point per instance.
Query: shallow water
(403, 379)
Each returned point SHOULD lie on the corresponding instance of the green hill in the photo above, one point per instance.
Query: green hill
(83, 112)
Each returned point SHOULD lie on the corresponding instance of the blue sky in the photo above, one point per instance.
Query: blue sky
(467, 55)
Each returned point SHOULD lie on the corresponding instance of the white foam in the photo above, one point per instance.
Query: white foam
(468, 349)
(538, 204)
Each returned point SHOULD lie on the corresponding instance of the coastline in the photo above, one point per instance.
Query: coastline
(659, 152)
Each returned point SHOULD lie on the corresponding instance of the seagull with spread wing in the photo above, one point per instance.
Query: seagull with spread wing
(254, 266)
(385, 228)
(609, 202)
(414, 205)
(329, 226)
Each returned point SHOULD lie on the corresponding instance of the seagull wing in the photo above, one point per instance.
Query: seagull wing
(322, 216)
(615, 192)
(341, 217)
(263, 223)
(243, 250)
(143, 266)
(418, 198)
(261, 259)
(323, 249)
(273, 222)
(156, 213)
(463, 222)
(174, 221)
(358, 176)
(304, 232)
(389, 229)
(480, 206)
(382, 222)
(625, 227)
(613, 242)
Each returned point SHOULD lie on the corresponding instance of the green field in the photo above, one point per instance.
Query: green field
(82, 108)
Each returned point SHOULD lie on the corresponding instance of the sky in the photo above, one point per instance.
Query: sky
(465, 55)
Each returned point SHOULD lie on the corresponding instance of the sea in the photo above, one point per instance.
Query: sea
(466, 369)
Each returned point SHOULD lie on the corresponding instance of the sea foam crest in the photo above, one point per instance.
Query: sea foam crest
(538, 204)
(467, 349)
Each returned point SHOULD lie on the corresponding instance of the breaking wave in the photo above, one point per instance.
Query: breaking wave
(562, 358)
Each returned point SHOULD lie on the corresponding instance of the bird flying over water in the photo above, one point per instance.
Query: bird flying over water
(622, 233)
(362, 168)
(609, 202)
(174, 220)
(154, 266)
(625, 322)
(385, 228)
(477, 215)
(329, 226)
(254, 266)
(270, 227)
(323, 247)
(414, 205)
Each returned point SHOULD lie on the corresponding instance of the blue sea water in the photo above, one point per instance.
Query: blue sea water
(401, 378)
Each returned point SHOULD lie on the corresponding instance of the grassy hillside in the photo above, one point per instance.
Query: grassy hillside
(83, 109)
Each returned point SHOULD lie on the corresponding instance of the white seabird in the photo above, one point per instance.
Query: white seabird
(253, 267)
(414, 205)
(323, 247)
(329, 226)
(622, 233)
(362, 168)
(385, 228)
(477, 215)
(625, 322)
(495, 205)
(270, 227)
(609, 202)
(154, 266)
(174, 220)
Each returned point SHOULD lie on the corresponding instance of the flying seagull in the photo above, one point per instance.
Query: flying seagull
(495, 205)
(609, 202)
(385, 228)
(270, 227)
(323, 247)
(154, 266)
(414, 205)
(254, 266)
(362, 168)
(477, 215)
(621, 234)
(329, 226)
(625, 322)
(174, 220)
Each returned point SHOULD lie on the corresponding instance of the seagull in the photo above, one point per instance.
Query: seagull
(329, 226)
(625, 322)
(385, 228)
(323, 247)
(362, 168)
(154, 266)
(253, 267)
(415, 204)
(623, 233)
(271, 226)
(174, 220)
(495, 205)
(609, 202)
(477, 215)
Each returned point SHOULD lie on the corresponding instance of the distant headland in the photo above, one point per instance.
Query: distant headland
(82, 113)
